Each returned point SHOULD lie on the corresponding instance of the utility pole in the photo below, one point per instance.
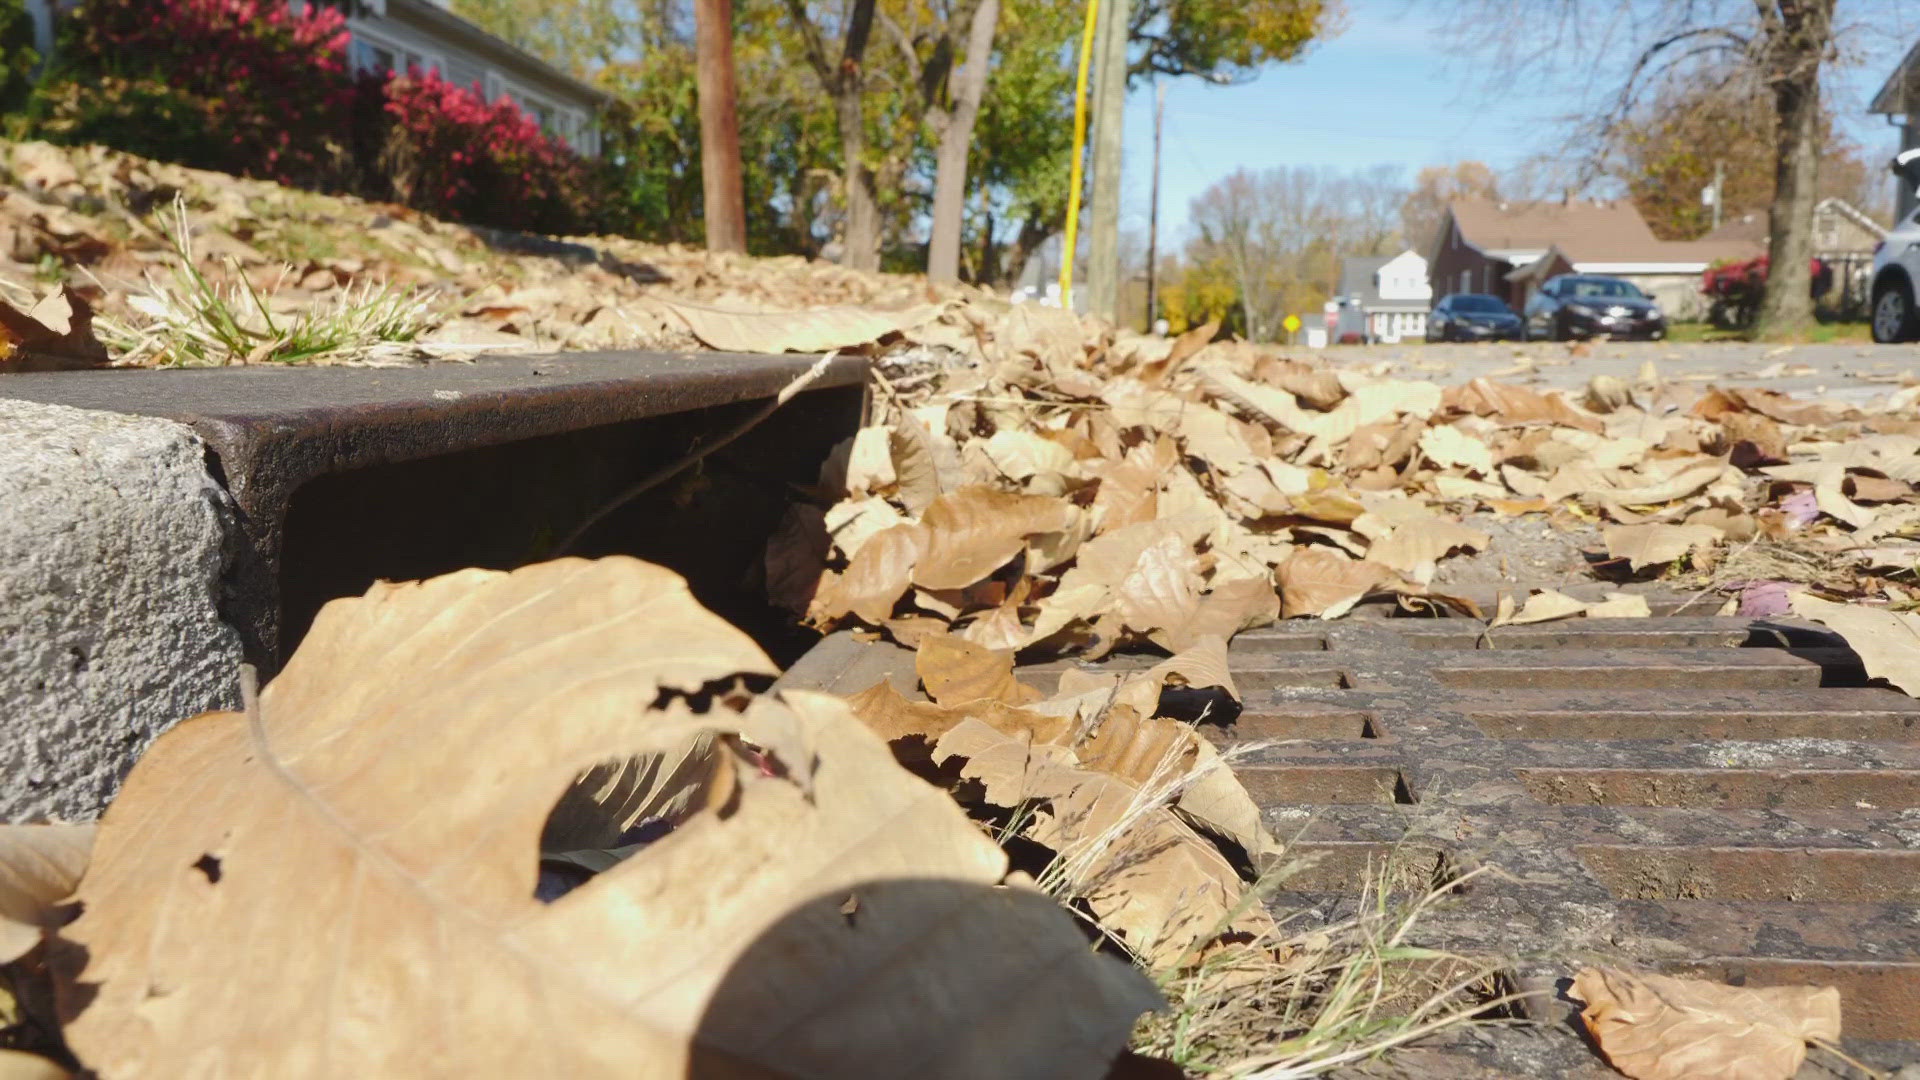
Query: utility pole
(1719, 180)
(1153, 208)
(1109, 114)
(719, 126)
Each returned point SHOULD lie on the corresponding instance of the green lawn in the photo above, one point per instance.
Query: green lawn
(1818, 334)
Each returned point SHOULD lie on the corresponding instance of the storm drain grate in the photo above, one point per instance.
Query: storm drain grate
(1712, 796)
(1720, 797)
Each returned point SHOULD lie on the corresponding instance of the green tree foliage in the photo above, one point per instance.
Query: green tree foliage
(642, 52)
(1223, 40)
(18, 57)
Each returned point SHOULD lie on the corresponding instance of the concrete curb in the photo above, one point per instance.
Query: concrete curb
(113, 542)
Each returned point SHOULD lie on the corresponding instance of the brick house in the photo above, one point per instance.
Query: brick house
(1509, 248)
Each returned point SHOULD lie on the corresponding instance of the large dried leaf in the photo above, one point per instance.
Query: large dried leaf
(1654, 1027)
(39, 866)
(974, 531)
(55, 335)
(892, 716)
(1655, 544)
(1887, 642)
(955, 671)
(877, 576)
(370, 836)
(1320, 581)
(811, 331)
(20, 1065)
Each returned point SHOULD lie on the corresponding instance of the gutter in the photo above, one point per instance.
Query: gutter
(460, 29)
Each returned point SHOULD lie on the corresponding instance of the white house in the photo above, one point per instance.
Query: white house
(394, 35)
(1383, 298)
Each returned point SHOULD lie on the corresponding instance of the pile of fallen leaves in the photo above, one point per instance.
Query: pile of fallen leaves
(98, 220)
(1059, 489)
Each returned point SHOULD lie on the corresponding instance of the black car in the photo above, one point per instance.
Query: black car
(1472, 317)
(1586, 305)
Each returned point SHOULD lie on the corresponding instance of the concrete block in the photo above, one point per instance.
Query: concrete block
(113, 540)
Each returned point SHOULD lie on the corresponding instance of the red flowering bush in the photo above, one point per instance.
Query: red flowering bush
(451, 153)
(242, 86)
(249, 87)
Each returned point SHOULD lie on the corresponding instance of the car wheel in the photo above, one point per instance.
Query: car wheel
(1894, 317)
(1559, 329)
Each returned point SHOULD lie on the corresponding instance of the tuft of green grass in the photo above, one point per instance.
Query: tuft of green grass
(190, 321)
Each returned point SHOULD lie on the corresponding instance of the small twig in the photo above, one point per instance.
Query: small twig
(697, 454)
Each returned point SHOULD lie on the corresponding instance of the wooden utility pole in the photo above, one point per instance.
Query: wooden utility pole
(1153, 208)
(725, 198)
(1109, 115)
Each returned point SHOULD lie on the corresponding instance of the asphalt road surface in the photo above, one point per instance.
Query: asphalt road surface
(1854, 372)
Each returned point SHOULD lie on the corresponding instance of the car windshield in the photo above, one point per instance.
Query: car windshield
(1481, 304)
(1601, 288)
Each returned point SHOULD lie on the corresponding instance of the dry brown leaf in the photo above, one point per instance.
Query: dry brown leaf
(1418, 543)
(1655, 544)
(20, 1065)
(1147, 875)
(413, 793)
(893, 717)
(877, 576)
(1320, 581)
(914, 463)
(56, 335)
(1543, 606)
(1655, 1027)
(1446, 445)
(816, 330)
(1887, 642)
(974, 531)
(39, 866)
(955, 671)
(1184, 347)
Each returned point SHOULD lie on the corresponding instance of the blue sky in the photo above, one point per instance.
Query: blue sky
(1384, 92)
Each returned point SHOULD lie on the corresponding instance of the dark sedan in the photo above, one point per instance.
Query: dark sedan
(1472, 317)
(1575, 306)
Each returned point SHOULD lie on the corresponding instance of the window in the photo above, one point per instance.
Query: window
(1466, 281)
(366, 56)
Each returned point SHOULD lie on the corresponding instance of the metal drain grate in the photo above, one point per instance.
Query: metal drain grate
(1710, 796)
(1723, 797)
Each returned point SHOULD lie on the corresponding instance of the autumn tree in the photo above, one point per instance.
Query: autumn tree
(1774, 49)
(1282, 232)
(1666, 151)
(1436, 186)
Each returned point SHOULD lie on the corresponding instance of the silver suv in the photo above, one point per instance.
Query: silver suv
(1896, 267)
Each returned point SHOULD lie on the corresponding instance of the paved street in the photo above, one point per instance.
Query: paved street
(1850, 371)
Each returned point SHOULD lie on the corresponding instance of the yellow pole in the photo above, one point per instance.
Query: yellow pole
(1079, 145)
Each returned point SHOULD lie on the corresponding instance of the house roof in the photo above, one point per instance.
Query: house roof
(1754, 227)
(444, 21)
(1358, 276)
(1900, 94)
(1360, 283)
(1585, 232)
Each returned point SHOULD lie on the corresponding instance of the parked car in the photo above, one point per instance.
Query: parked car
(1587, 305)
(1472, 317)
(1896, 267)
